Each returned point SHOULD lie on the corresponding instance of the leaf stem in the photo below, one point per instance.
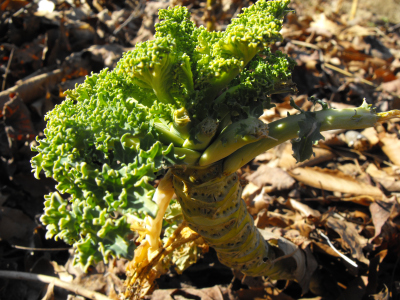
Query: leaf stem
(287, 128)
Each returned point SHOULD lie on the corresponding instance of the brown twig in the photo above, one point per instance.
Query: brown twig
(346, 73)
(40, 249)
(73, 287)
(8, 69)
(32, 88)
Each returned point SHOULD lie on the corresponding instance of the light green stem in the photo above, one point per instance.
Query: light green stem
(288, 128)
(191, 156)
(235, 136)
(166, 136)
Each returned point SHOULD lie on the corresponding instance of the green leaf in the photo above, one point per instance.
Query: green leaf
(309, 134)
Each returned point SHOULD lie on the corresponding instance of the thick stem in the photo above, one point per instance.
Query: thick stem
(212, 206)
(288, 128)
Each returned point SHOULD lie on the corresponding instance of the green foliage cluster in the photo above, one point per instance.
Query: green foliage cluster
(164, 103)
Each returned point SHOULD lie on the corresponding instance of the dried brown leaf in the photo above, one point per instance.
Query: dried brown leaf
(304, 209)
(335, 181)
(305, 261)
(380, 212)
(372, 135)
(324, 248)
(382, 295)
(320, 155)
(361, 200)
(322, 22)
(390, 183)
(351, 239)
(391, 146)
(274, 179)
(273, 219)
(261, 201)
(250, 191)
(392, 86)
(18, 120)
(213, 293)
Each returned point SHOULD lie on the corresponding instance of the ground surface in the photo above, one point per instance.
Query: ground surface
(343, 56)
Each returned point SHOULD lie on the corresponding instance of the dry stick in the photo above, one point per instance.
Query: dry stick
(353, 9)
(305, 44)
(39, 249)
(8, 69)
(32, 88)
(338, 252)
(57, 282)
(136, 13)
(329, 66)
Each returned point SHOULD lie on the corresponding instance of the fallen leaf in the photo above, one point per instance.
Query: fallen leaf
(380, 213)
(382, 295)
(18, 120)
(249, 192)
(213, 293)
(371, 135)
(390, 183)
(298, 233)
(392, 86)
(320, 155)
(361, 200)
(261, 201)
(324, 248)
(351, 239)
(304, 209)
(322, 22)
(272, 219)
(335, 181)
(274, 179)
(391, 146)
(305, 261)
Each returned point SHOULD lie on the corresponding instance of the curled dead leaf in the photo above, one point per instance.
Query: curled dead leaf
(335, 181)
(350, 238)
(274, 179)
(304, 209)
(380, 212)
(305, 261)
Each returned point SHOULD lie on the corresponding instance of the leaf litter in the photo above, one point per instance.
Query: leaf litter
(343, 202)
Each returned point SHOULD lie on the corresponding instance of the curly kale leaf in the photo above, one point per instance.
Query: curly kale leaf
(104, 177)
